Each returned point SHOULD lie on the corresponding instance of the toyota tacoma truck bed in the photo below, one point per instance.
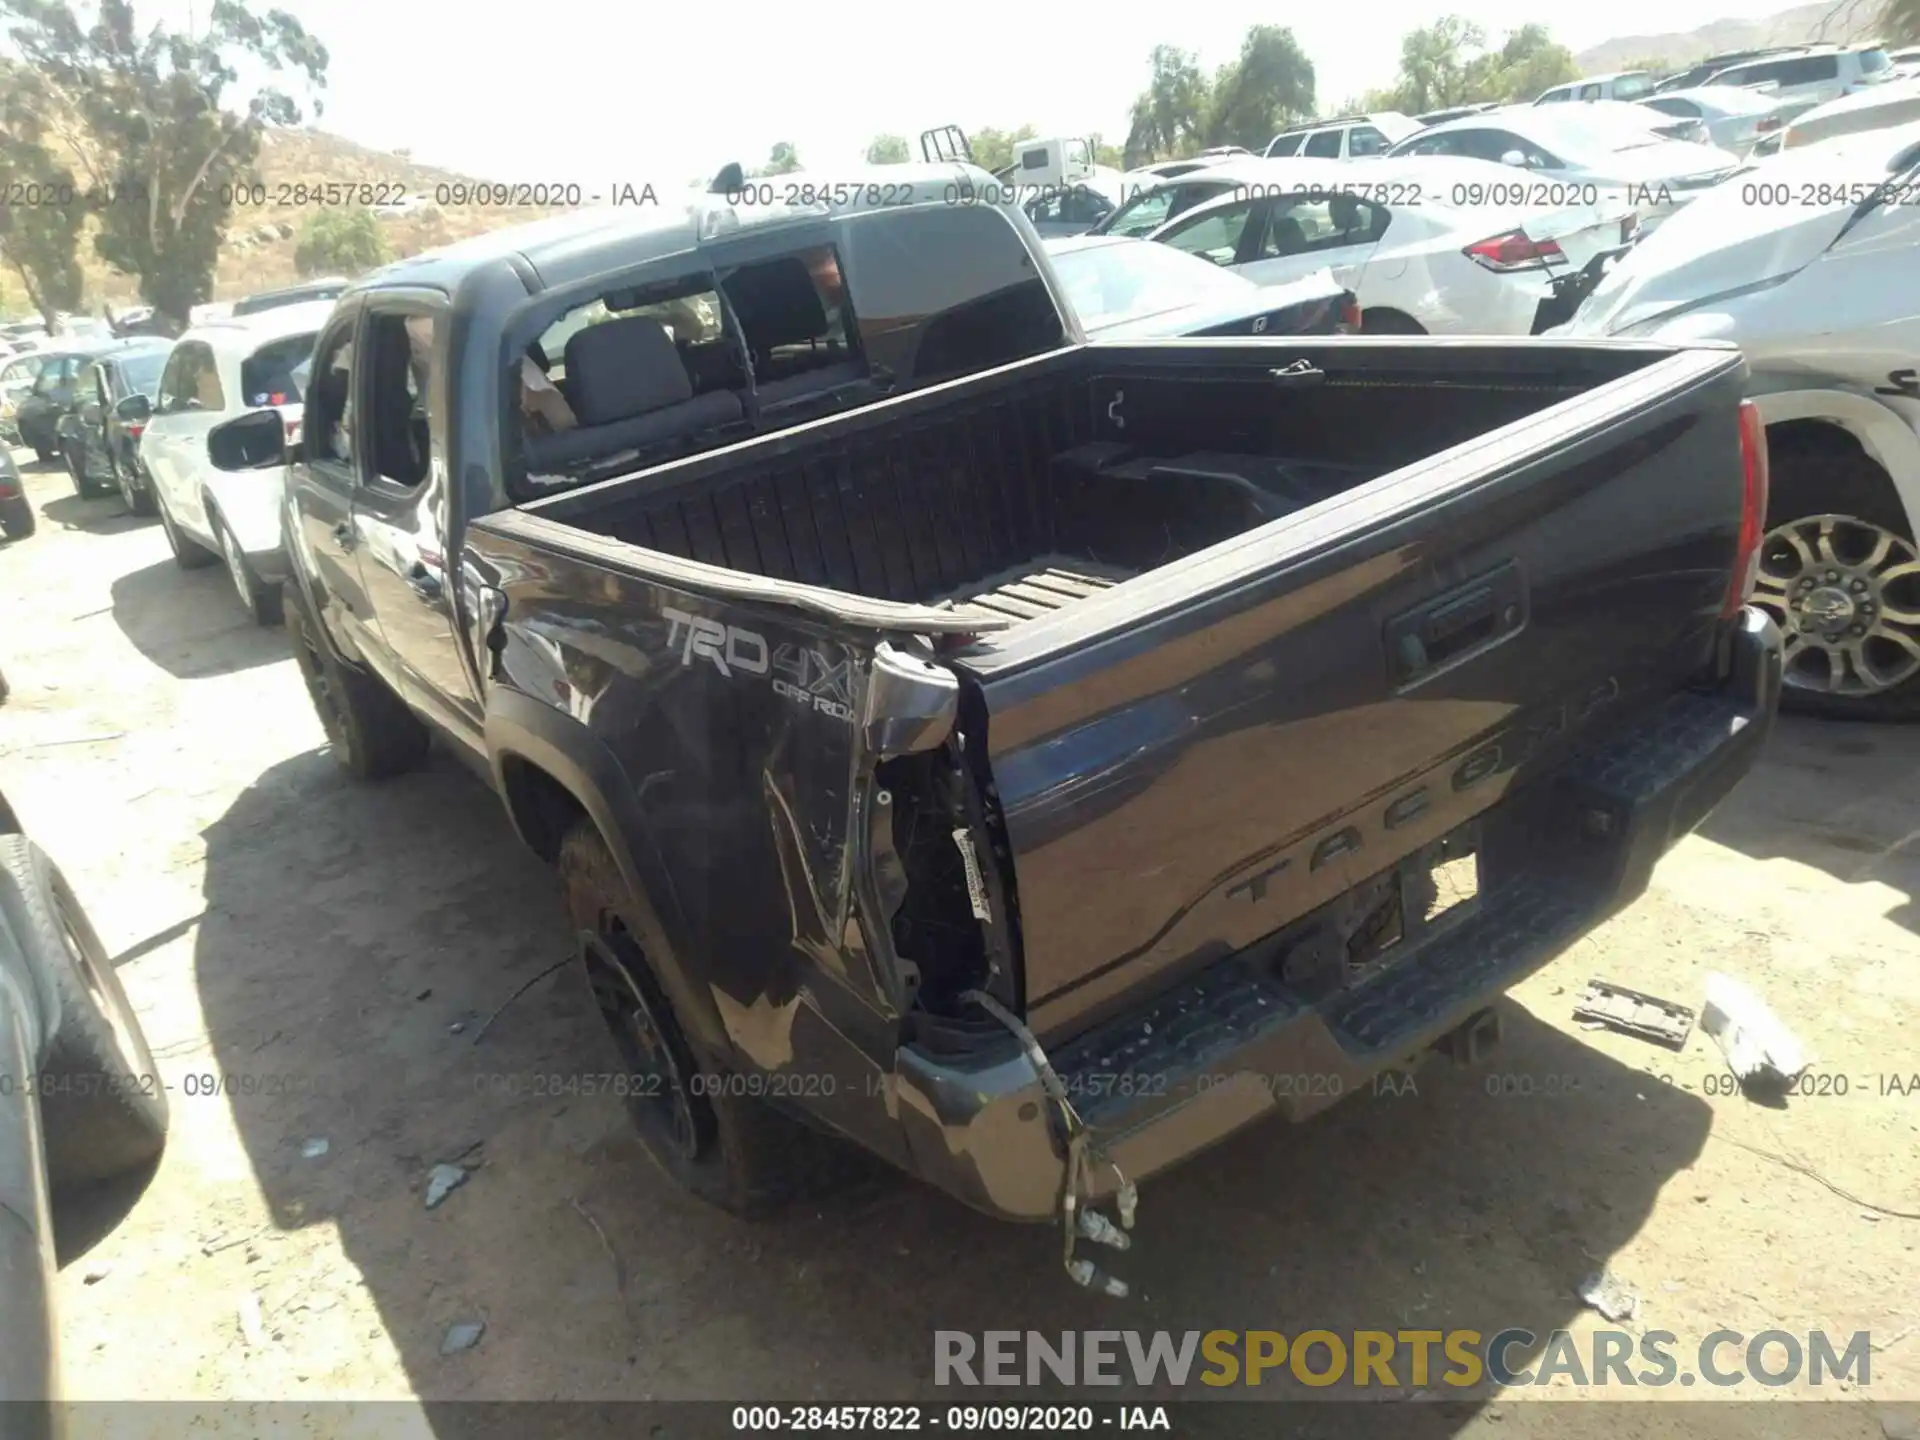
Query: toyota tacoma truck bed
(1032, 760)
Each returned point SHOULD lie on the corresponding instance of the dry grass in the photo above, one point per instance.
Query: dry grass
(260, 243)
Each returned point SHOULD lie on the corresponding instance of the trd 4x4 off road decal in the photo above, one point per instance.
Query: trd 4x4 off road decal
(1901, 382)
(795, 672)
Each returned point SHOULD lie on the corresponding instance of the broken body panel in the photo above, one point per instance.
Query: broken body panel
(1179, 817)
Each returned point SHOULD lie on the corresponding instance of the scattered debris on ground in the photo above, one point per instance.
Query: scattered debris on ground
(1762, 1053)
(462, 1336)
(442, 1181)
(1604, 1004)
(1606, 1294)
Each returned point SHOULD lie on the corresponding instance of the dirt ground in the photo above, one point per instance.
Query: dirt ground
(333, 950)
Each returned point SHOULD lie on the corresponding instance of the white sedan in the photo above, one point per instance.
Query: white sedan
(1438, 246)
(1605, 150)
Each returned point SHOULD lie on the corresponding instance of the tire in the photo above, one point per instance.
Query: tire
(17, 520)
(136, 497)
(76, 458)
(1389, 322)
(372, 732)
(262, 600)
(103, 1104)
(1827, 491)
(187, 554)
(730, 1150)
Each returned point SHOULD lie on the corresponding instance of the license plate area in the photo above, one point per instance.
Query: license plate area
(1381, 921)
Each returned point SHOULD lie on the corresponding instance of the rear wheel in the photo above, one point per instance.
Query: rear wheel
(102, 1101)
(16, 517)
(725, 1146)
(371, 731)
(135, 496)
(1840, 575)
(262, 600)
(187, 554)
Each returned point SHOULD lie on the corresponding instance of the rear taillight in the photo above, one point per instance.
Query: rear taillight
(1515, 250)
(1753, 509)
(135, 429)
(9, 489)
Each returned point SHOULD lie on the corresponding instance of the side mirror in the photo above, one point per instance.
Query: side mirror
(1515, 158)
(136, 408)
(249, 442)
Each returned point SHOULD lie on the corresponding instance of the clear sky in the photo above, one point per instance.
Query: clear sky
(604, 91)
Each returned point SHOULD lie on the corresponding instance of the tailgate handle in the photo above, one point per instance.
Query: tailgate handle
(1459, 624)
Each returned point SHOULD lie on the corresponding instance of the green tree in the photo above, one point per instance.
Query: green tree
(163, 153)
(888, 150)
(341, 242)
(1527, 64)
(1258, 94)
(1900, 22)
(783, 159)
(993, 149)
(40, 229)
(1436, 64)
(1168, 116)
(1111, 156)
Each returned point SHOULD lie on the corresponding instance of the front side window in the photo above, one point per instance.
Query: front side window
(1144, 213)
(1286, 145)
(1324, 144)
(1365, 140)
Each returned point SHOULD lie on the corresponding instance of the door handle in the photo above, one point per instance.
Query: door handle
(424, 582)
(343, 535)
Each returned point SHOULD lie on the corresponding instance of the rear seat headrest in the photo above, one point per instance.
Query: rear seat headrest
(622, 368)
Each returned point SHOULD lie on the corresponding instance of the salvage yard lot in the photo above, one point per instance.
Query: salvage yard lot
(325, 956)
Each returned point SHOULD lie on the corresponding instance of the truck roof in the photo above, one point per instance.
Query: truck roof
(565, 249)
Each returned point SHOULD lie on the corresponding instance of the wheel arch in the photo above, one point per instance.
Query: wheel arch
(552, 772)
(1882, 435)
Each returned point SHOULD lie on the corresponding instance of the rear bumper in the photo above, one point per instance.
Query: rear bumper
(1234, 1044)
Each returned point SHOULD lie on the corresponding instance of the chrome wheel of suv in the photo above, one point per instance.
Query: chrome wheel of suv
(1846, 595)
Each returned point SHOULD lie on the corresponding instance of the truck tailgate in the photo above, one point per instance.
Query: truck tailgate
(1191, 760)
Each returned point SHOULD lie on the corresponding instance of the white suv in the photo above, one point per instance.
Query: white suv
(1627, 85)
(1812, 77)
(1345, 137)
(215, 372)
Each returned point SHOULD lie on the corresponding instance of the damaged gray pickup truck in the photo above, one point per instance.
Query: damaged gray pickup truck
(1031, 760)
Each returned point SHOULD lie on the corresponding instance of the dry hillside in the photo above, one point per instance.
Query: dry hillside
(261, 240)
(1832, 20)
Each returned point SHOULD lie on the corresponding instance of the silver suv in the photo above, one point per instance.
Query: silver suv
(1812, 77)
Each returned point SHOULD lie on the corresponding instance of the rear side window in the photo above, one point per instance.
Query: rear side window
(329, 422)
(1324, 144)
(1285, 145)
(402, 349)
(267, 376)
(1554, 97)
(1589, 92)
